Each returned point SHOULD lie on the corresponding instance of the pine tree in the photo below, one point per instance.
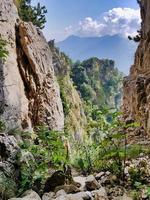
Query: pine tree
(34, 14)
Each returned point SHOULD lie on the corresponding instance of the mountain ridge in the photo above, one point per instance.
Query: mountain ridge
(113, 47)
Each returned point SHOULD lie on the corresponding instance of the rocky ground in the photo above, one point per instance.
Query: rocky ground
(101, 186)
(83, 188)
(88, 189)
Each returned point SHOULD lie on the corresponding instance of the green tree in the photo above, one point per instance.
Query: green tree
(34, 14)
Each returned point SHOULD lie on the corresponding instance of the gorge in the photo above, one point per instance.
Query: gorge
(60, 120)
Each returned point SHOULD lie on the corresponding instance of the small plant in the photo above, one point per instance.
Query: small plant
(44, 150)
(83, 157)
(2, 126)
(148, 192)
(3, 51)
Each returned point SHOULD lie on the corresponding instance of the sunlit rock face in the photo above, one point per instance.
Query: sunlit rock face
(29, 93)
(136, 101)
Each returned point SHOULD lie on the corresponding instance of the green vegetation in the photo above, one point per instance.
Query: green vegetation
(3, 51)
(75, 119)
(106, 147)
(98, 81)
(41, 152)
(34, 14)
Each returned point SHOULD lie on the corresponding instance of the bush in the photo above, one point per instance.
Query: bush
(106, 146)
(41, 152)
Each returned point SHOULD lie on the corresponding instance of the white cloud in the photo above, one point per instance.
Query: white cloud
(90, 27)
(68, 29)
(123, 21)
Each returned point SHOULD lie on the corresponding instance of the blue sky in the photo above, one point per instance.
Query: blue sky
(80, 17)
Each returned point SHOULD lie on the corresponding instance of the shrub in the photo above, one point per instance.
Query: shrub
(44, 150)
(106, 147)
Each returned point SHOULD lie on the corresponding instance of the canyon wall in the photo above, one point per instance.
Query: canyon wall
(29, 93)
(136, 100)
(74, 109)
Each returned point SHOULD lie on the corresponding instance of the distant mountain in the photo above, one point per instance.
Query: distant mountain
(115, 47)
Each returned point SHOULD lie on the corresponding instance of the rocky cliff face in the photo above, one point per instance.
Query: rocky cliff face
(29, 93)
(136, 101)
(75, 119)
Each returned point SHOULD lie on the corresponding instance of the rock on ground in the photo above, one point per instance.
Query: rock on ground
(91, 183)
(100, 194)
(81, 180)
(69, 189)
(28, 195)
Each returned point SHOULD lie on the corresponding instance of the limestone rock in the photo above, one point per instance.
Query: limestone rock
(78, 196)
(8, 166)
(60, 193)
(69, 189)
(29, 93)
(48, 196)
(100, 194)
(136, 100)
(81, 180)
(75, 119)
(38, 77)
(28, 195)
(99, 175)
(91, 183)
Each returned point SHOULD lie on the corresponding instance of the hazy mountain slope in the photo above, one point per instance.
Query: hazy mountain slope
(112, 47)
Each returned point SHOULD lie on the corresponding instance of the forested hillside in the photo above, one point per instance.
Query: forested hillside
(98, 81)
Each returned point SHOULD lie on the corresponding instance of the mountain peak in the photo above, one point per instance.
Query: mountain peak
(113, 47)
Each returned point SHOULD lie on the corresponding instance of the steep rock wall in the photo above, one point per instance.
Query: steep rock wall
(136, 100)
(29, 93)
(75, 119)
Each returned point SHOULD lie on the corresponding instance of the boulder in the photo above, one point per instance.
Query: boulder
(28, 195)
(100, 194)
(9, 171)
(99, 175)
(48, 196)
(78, 196)
(69, 189)
(91, 183)
(81, 180)
(57, 179)
(60, 193)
